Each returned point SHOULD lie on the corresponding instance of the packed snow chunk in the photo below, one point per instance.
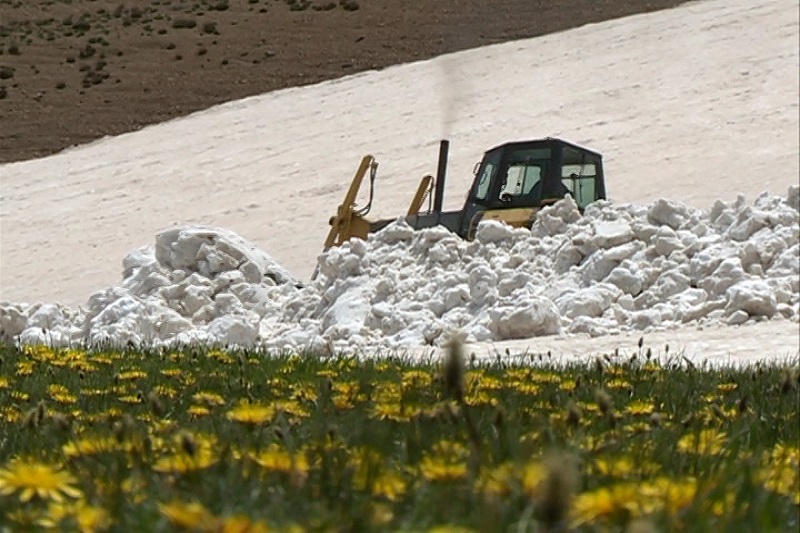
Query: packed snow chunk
(610, 233)
(556, 219)
(666, 241)
(129, 319)
(13, 319)
(348, 311)
(728, 273)
(627, 281)
(665, 212)
(534, 318)
(754, 297)
(397, 232)
(589, 302)
(491, 231)
(232, 330)
(210, 250)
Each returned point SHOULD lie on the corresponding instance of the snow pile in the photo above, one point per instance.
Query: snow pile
(617, 267)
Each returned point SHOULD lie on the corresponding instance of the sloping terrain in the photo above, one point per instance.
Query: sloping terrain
(72, 71)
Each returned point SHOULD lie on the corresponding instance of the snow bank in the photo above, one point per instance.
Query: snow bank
(616, 268)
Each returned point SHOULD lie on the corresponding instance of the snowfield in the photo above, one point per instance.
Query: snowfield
(695, 109)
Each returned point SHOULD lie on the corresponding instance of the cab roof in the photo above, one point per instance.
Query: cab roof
(547, 141)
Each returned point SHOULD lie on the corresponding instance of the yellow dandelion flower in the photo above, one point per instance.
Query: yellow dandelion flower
(171, 372)
(220, 356)
(328, 373)
(190, 452)
(781, 478)
(276, 459)
(617, 467)
(102, 360)
(241, 524)
(191, 516)
(639, 407)
(605, 503)
(568, 385)
(61, 394)
(526, 388)
(83, 366)
(292, 407)
(179, 463)
(5, 382)
(90, 446)
(637, 428)
(34, 479)
(20, 396)
(531, 477)
(477, 398)
(487, 383)
(436, 469)
(389, 485)
(544, 377)
(9, 413)
(706, 442)
(727, 387)
(131, 399)
(390, 411)
(131, 375)
(618, 384)
(247, 413)
(498, 480)
(197, 411)
(24, 368)
(671, 495)
(166, 392)
(89, 518)
(416, 379)
(209, 398)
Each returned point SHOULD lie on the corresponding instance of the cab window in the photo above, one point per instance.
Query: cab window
(485, 175)
(579, 175)
(523, 175)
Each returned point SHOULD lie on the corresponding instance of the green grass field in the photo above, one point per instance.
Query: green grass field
(209, 440)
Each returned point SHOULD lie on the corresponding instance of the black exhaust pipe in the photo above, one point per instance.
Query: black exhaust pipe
(441, 173)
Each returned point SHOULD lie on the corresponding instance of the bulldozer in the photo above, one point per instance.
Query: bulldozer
(511, 184)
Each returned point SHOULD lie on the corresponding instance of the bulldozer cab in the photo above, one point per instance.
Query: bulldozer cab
(512, 182)
(534, 173)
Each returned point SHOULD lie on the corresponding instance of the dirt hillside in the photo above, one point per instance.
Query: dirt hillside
(72, 71)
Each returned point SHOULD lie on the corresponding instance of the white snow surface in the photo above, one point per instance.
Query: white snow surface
(695, 109)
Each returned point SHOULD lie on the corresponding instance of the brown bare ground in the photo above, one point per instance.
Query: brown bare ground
(72, 71)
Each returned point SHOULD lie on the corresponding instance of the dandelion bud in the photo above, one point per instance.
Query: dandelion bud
(604, 402)
(573, 415)
(558, 489)
(61, 421)
(188, 444)
(655, 420)
(156, 406)
(41, 412)
(641, 342)
(787, 383)
(499, 418)
(454, 370)
(119, 431)
(742, 405)
(598, 365)
(30, 420)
